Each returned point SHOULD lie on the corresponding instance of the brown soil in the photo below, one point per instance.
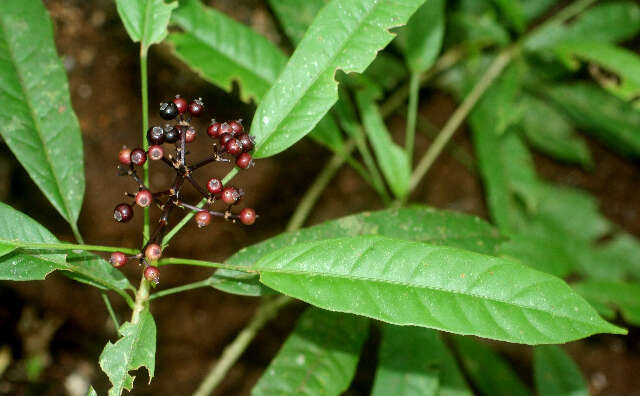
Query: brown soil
(193, 327)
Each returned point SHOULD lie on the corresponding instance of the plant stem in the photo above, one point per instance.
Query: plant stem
(233, 351)
(76, 233)
(142, 297)
(412, 111)
(178, 289)
(145, 125)
(317, 187)
(201, 263)
(68, 246)
(111, 311)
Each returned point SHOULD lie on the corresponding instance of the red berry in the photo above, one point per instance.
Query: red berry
(236, 127)
(118, 259)
(247, 141)
(224, 138)
(203, 218)
(153, 252)
(156, 152)
(190, 135)
(196, 107)
(230, 195)
(138, 157)
(123, 213)
(171, 134)
(152, 274)
(181, 104)
(233, 147)
(214, 129)
(124, 156)
(155, 135)
(247, 216)
(168, 110)
(225, 128)
(214, 185)
(244, 160)
(144, 198)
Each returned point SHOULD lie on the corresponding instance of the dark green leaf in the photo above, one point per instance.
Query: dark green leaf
(513, 12)
(296, 16)
(621, 296)
(556, 374)
(135, 349)
(450, 289)
(387, 71)
(474, 29)
(534, 9)
(103, 275)
(490, 374)
(541, 249)
(146, 21)
(38, 123)
(306, 89)
(318, 358)
(415, 361)
(425, 31)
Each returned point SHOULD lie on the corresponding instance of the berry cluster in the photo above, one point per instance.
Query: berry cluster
(230, 139)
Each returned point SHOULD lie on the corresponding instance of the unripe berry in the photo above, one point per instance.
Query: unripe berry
(118, 259)
(156, 152)
(138, 157)
(181, 104)
(230, 195)
(196, 107)
(144, 198)
(123, 213)
(224, 138)
(190, 135)
(233, 147)
(247, 141)
(236, 127)
(214, 186)
(244, 161)
(203, 218)
(155, 135)
(171, 134)
(225, 128)
(124, 156)
(247, 216)
(152, 274)
(153, 252)
(214, 129)
(168, 110)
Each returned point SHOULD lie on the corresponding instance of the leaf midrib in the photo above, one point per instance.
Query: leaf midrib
(35, 120)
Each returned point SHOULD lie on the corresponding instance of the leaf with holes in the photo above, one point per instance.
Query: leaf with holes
(146, 21)
(38, 123)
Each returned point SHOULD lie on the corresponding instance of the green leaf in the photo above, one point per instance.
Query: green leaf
(103, 275)
(6, 248)
(91, 391)
(450, 289)
(513, 12)
(593, 110)
(223, 51)
(622, 63)
(136, 348)
(417, 223)
(621, 296)
(26, 265)
(425, 31)
(415, 361)
(609, 22)
(306, 89)
(541, 249)
(146, 21)
(387, 71)
(38, 122)
(319, 357)
(473, 29)
(556, 374)
(296, 16)
(534, 9)
(392, 159)
(551, 133)
(489, 372)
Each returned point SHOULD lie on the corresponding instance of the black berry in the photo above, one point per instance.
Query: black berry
(168, 110)
(244, 160)
(153, 252)
(152, 274)
(247, 216)
(138, 157)
(214, 186)
(224, 138)
(172, 134)
(156, 152)
(230, 195)
(203, 218)
(196, 107)
(124, 156)
(144, 198)
(123, 213)
(118, 259)
(181, 104)
(155, 135)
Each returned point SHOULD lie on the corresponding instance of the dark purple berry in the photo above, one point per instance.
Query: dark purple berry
(156, 152)
(168, 110)
(247, 141)
(236, 127)
(225, 128)
(171, 135)
(138, 157)
(153, 251)
(244, 160)
(247, 216)
(181, 104)
(123, 213)
(144, 198)
(230, 195)
(214, 186)
(124, 156)
(190, 135)
(203, 218)
(214, 129)
(233, 147)
(155, 135)
(196, 107)
(224, 138)
(118, 259)
(152, 274)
